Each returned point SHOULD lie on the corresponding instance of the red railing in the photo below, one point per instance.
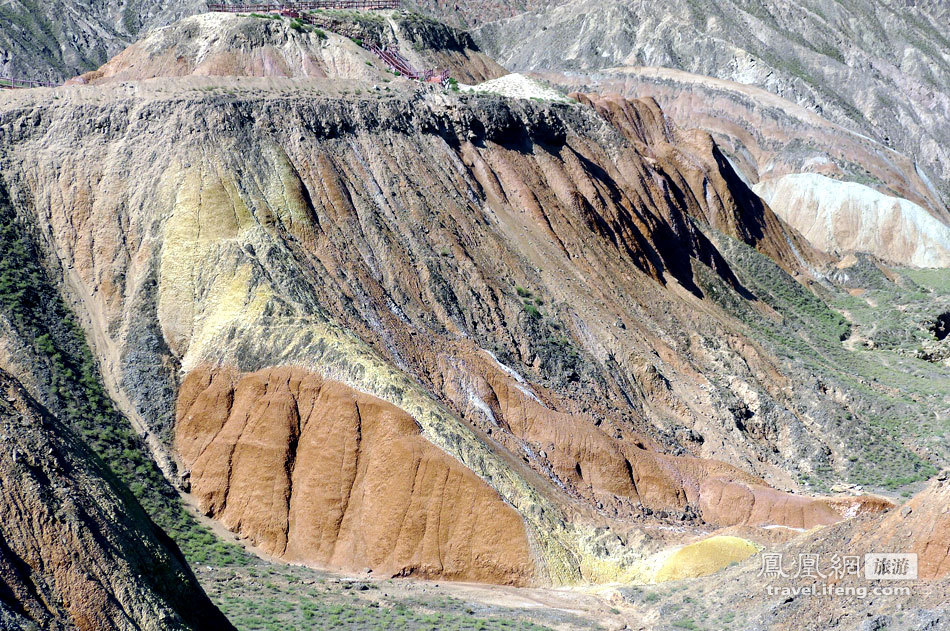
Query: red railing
(9, 83)
(395, 61)
(368, 5)
(400, 64)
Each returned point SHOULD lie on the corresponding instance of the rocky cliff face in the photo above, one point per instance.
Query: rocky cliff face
(878, 68)
(386, 328)
(387, 301)
(77, 551)
(764, 135)
(62, 38)
(520, 280)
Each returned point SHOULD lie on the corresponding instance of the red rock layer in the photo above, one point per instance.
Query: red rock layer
(712, 191)
(732, 503)
(619, 471)
(316, 472)
(921, 526)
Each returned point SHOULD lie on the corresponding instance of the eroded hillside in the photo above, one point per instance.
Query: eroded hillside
(541, 327)
(879, 68)
(764, 135)
(78, 551)
(329, 45)
(388, 328)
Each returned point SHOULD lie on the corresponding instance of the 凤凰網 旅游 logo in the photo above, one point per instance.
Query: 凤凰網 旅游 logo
(890, 566)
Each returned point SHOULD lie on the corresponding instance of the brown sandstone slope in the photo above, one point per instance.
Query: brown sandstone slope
(717, 195)
(629, 475)
(77, 552)
(315, 472)
(921, 526)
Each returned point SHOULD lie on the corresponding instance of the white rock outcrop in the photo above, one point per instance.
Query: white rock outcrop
(846, 216)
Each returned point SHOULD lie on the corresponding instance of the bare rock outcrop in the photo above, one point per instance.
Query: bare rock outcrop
(76, 550)
(315, 472)
(731, 503)
(764, 135)
(267, 45)
(86, 34)
(385, 240)
(620, 472)
(920, 526)
(878, 70)
(718, 196)
(842, 217)
(226, 44)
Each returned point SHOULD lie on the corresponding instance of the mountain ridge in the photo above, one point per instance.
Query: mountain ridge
(840, 61)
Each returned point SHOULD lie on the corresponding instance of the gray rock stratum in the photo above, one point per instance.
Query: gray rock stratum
(62, 38)
(877, 67)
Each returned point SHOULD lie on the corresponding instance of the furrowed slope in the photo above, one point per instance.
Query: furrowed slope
(764, 135)
(352, 482)
(878, 68)
(77, 550)
(554, 294)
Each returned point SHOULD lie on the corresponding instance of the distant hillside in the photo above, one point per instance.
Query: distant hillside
(879, 68)
(67, 37)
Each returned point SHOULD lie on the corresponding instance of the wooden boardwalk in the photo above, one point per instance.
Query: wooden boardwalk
(398, 63)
